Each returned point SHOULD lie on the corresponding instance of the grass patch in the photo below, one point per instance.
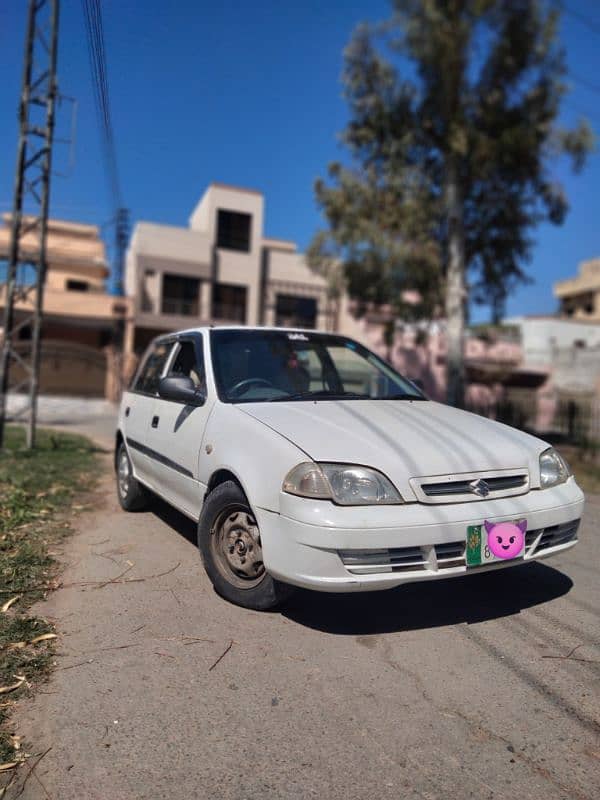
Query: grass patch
(36, 492)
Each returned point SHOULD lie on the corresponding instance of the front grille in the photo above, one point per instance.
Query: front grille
(397, 559)
(446, 555)
(552, 536)
(451, 554)
(498, 484)
(404, 559)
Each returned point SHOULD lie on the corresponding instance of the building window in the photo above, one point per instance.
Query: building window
(77, 286)
(180, 295)
(233, 230)
(295, 312)
(229, 303)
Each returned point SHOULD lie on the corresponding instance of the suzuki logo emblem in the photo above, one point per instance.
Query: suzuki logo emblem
(479, 487)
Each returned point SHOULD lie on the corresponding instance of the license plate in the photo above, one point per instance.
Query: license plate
(478, 549)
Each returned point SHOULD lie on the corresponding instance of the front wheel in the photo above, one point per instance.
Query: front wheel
(132, 495)
(231, 549)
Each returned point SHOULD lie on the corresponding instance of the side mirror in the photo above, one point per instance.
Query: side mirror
(181, 389)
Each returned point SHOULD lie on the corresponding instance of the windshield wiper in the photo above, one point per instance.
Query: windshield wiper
(321, 394)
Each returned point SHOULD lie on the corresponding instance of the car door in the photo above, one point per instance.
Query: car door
(177, 430)
(138, 405)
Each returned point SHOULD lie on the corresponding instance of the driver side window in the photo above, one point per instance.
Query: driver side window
(148, 377)
(188, 365)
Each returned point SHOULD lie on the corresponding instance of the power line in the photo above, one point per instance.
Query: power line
(593, 87)
(99, 72)
(582, 18)
(97, 59)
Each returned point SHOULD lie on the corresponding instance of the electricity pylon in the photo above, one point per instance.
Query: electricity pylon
(23, 289)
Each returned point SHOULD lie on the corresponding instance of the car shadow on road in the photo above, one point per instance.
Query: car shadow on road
(183, 525)
(433, 604)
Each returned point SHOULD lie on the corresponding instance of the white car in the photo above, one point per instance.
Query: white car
(308, 461)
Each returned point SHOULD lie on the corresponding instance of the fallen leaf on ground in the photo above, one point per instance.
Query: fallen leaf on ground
(20, 682)
(9, 603)
(20, 645)
(44, 638)
(9, 765)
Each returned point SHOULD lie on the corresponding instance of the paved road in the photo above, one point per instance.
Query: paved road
(63, 410)
(451, 690)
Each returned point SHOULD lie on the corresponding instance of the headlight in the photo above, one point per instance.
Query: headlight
(553, 468)
(345, 484)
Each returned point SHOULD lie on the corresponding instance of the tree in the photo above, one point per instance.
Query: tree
(452, 139)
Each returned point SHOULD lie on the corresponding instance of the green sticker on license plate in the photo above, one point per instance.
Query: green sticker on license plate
(478, 550)
(474, 542)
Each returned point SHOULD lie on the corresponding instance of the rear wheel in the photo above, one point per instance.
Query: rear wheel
(132, 495)
(231, 549)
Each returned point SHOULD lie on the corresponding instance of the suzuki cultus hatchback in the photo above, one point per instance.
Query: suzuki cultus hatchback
(308, 461)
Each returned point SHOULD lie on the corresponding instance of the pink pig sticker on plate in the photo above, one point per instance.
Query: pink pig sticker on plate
(506, 539)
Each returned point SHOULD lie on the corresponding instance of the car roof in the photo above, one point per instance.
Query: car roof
(202, 328)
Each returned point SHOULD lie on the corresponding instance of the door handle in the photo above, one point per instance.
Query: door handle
(155, 421)
(127, 410)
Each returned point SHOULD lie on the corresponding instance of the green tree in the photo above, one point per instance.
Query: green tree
(452, 139)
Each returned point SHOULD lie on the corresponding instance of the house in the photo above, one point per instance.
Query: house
(221, 269)
(82, 322)
(580, 296)
(567, 350)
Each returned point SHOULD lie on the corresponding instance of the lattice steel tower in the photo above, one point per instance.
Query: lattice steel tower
(22, 293)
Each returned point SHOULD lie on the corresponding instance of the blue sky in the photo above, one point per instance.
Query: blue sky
(249, 94)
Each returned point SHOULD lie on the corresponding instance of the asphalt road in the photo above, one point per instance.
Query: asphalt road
(483, 687)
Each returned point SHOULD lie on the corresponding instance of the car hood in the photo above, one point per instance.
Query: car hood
(400, 438)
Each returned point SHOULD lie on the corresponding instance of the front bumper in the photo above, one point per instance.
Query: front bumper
(319, 545)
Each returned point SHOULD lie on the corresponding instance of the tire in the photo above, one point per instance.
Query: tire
(229, 543)
(132, 495)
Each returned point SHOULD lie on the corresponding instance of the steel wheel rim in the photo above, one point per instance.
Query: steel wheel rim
(124, 474)
(236, 547)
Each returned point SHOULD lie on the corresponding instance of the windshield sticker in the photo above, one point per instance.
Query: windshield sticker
(297, 337)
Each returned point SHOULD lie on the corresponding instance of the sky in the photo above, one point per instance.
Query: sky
(249, 93)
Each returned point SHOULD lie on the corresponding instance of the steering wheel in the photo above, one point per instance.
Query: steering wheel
(247, 382)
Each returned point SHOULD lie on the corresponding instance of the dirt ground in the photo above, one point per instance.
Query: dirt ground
(483, 687)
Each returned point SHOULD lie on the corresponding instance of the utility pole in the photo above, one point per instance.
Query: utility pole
(121, 239)
(23, 299)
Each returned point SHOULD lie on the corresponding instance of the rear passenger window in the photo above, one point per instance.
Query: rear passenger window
(150, 373)
(188, 365)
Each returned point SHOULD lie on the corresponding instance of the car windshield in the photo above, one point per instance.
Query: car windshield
(253, 366)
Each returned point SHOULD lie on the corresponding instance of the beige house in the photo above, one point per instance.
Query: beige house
(81, 320)
(221, 269)
(580, 296)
